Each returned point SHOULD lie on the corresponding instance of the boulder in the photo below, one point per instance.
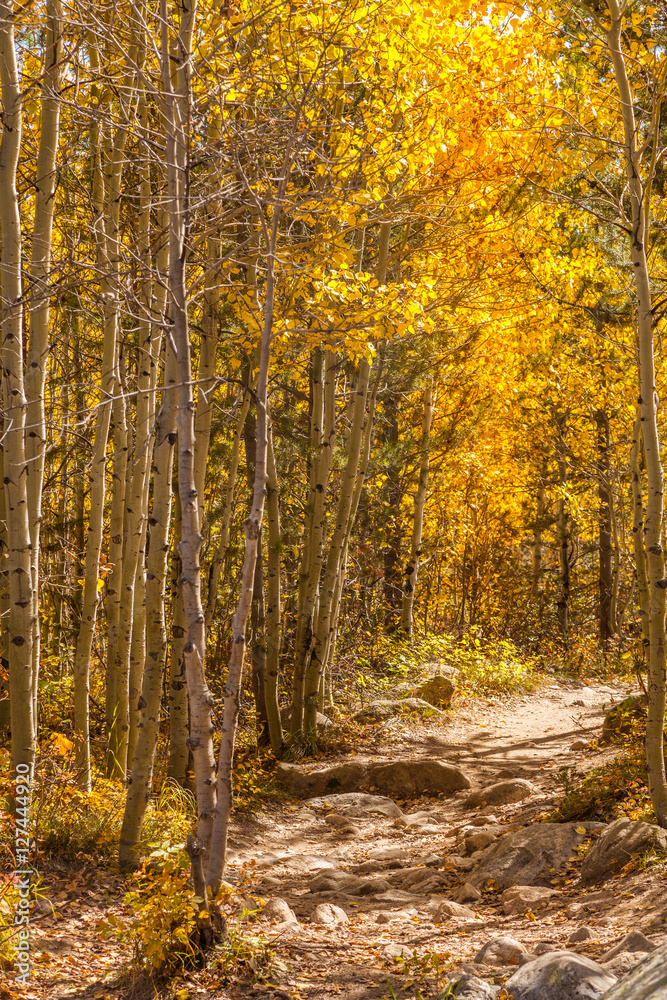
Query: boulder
(622, 839)
(438, 690)
(622, 964)
(502, 793)
(402, 778)
(388, 854)
(647, 981)
(469, 987)
(328, 913)
(468, 894)
(341, 778)
(623, 718)
(559, 975)
(478, 840)
(500, 951)
(380, 711)
(531, 855)
(396, 952)
(633, 941)
(279, 911)
(358, 804)
(581, 934)
(520, 899)
(443, 909)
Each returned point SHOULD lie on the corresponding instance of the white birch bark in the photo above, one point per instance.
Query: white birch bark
(412, 570)
(648, 403)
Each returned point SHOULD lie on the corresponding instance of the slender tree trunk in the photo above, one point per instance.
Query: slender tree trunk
(605, 575)
(657, 584)
(258, 609)
(179, 716)
(40, 300)
(563, 532)
(141, 775)
(412, 568)
(641, 571)
(177, 115)
(273, 610)
(20, 620)
(335, 554)
(322, 441)
(540, 508)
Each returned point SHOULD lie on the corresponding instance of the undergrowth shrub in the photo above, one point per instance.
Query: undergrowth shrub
(161, 926)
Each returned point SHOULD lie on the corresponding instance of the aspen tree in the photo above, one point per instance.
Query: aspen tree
(273, 599)
(20, 619)
(176, 100)
(640, 199)
(412, 568)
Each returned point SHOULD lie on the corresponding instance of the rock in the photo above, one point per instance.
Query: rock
(647, 981)
(335, 819)
(468, 894)
(370, 867)
(279, 912)
(469, 987)
(388, 854)
(328, 913)
(394, 952)
(621, 840)
(622, 964)
(404, 779)
(502, 793)
(438, 690)
(633, 941)
(578, 745)
(358, 804)
(379, 711)
(531, 855)
(622, 719)
(521, 899)
(544, 948)
(307, 863)
(478, 840)
(341, 778)
(384, 918)
(488, 819)
(424, 776)
(444, 908)
(560, 975)
(581, 934)
(500, 951)
(423, 818)
(349, 831)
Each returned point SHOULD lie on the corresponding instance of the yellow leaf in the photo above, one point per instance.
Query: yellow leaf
(581, 830)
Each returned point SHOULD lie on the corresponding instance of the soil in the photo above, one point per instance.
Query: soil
(275, 853)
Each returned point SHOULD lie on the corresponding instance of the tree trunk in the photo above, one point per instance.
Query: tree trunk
(657, 584)
(273, 610)
(563, 532)
(20, 621)
(638, 529)
(536, 577)
(606, 566)
(412, 568)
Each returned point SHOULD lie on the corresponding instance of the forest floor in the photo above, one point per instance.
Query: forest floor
(276, 852)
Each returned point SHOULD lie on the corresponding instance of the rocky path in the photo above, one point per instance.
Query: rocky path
(363, 894)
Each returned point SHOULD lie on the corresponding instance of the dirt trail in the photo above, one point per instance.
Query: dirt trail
(279, 852)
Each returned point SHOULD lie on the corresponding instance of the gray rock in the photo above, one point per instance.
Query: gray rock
(560, 975)
(581, 934)
(335, 819)
(279, 911)
(438, 690)
(544, 948)
(647, 981)
(622, 964)
(478, 840)
(394, 952)
(379, 711)
(442, 909)
(358, 804)
(425, 776)
(468, 894)
(500, 951)
(531, 855)
(328, 913)
(622, 840)
(502, 793)
(469, 987)
(388, 854)
(633, 941)
(521, 899)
